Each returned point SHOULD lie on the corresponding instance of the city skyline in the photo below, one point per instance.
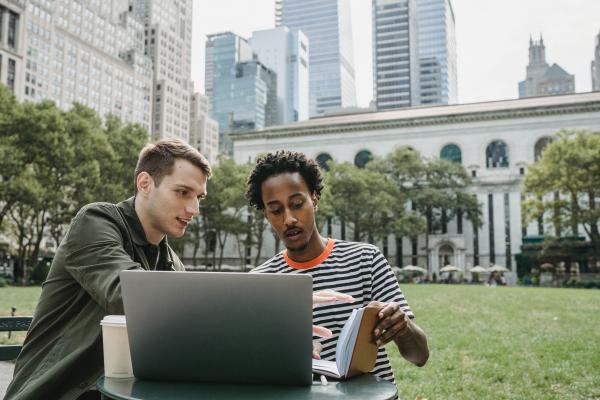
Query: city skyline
(485, 47)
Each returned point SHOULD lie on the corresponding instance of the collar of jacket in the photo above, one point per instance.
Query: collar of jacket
(138, 234)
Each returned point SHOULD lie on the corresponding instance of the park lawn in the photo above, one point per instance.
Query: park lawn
(485, 343)
(24, 299)
(503, 343)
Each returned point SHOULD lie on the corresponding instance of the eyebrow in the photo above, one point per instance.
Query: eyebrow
(277, 201)
(186, 187)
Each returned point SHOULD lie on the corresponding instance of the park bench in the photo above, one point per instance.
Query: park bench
(12, 324)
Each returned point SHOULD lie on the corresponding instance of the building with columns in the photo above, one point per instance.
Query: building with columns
(495, 141)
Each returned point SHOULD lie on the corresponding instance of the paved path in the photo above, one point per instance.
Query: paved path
(6, 372)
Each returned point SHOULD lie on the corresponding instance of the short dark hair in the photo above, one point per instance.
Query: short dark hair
(282, 161)
(158, 159)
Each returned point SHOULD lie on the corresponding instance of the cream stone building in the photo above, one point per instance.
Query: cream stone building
(495, 141)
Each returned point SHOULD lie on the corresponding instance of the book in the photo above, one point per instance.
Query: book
(356, 350)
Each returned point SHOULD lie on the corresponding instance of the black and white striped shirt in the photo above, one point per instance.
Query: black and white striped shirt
(357, 269)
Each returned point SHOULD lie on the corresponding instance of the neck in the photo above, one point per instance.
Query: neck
(152, 235)
(315, 246)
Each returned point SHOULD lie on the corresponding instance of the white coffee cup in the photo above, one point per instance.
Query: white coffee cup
(117, 359)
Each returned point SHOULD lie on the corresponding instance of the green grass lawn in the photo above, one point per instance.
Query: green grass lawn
(485, 343)
(24, 299)
(504, 343)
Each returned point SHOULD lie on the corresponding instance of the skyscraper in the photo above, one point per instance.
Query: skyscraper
(12, 46)
(204, 131)
(395, 63)
(327, 25)
(90, 52)
(436, 47)
(168, 42)
(541, 79)
(244, 91)
(285, 52)
(596, 65)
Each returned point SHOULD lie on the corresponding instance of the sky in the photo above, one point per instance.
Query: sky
(492, 39)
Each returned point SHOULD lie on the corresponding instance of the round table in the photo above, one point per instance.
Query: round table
(361, 387)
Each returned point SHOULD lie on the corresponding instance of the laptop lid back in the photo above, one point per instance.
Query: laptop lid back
(219, 327)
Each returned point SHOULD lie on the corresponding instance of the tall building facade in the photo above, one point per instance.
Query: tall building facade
(243, 90)
(542, 79)
(12, 45)
(204, 131)
(395, 62)
(88, 52)
(286, 52)
(327, 25)
(168, 42)
(436, 47)
(596, 65)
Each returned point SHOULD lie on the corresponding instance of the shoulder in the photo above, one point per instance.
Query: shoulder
(96, 220)
(274, 264)
(343, 246)
(97, 209)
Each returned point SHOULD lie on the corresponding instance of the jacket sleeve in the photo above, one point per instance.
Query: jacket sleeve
(95, 254)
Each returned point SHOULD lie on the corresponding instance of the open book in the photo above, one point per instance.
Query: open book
(356, 351)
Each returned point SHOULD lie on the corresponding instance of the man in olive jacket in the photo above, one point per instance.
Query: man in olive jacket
(62, 354)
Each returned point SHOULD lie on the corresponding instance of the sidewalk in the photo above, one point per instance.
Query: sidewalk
(6, 372)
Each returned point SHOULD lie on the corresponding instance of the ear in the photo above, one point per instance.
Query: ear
(144, 183)
(315, 200)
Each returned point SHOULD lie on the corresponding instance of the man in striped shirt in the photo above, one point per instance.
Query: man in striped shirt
(287, 186)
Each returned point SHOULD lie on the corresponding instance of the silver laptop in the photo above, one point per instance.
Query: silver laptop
(219, 327)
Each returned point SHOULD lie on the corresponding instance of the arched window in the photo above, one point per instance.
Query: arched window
(323, 159)
(540, 145)
(451, 152)
(496, 155)
(362, 158)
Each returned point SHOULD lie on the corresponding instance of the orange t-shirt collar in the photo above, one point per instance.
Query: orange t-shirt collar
(310, 263)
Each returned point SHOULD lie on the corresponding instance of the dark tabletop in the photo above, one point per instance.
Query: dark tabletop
(361, 387)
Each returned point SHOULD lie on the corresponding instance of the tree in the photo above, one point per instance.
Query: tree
(224, 206)
(361, 198)
(564, 185)
(435, 190)
(11, 156)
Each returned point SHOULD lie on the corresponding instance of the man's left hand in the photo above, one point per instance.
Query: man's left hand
(392, 322)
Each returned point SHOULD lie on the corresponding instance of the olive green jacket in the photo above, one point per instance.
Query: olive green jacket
(62, 353)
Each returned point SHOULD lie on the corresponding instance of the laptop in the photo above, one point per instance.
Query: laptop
(219, 326)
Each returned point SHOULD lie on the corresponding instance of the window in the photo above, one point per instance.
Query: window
(451, 152)
(323, 159)
(540, 146)
(10, 78)
(12, 29)
(362, 158)
(496, 155)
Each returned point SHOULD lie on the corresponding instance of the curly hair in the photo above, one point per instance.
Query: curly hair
(280, 162)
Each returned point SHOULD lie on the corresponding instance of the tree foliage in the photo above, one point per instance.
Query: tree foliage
(52, 162)
(563, 187)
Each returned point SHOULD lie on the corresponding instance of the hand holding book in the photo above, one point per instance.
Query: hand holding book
(392, 322)
(356, 350)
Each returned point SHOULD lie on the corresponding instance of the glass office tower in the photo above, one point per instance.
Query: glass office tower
(437, 52)
(328, 27)
(244, 91)
(395, 62)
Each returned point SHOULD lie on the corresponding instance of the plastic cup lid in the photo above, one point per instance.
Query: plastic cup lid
(113, 320)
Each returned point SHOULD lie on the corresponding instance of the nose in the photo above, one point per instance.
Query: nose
(193, 207)
(290, 219)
